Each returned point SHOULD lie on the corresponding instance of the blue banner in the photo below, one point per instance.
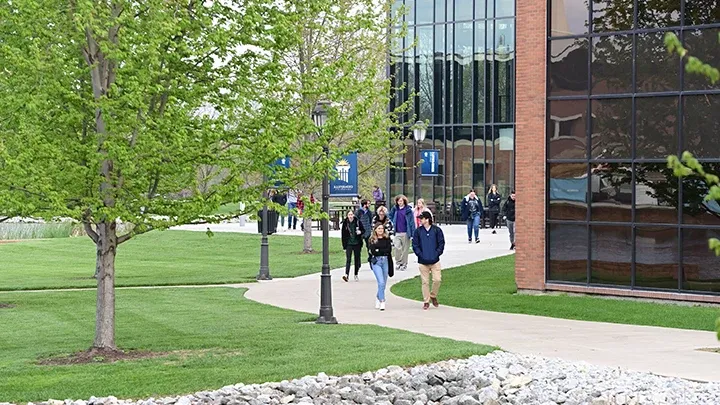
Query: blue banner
(345, 183)
(568, 189)
(430, 162)
(285, 164)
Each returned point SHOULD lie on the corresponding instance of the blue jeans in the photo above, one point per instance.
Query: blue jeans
(380, 269)
(473, 223)
(292, 219)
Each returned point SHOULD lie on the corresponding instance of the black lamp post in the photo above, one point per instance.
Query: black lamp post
(326, 310)
(264, 273)
(419, 132)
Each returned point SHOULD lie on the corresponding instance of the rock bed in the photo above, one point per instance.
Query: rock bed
(498, 378)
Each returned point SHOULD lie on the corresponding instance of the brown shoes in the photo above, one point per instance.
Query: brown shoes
(345, 278)
(435, 302)
(426, 306)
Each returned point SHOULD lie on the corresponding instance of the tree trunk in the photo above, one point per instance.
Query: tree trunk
(105, 268)
(307, 233)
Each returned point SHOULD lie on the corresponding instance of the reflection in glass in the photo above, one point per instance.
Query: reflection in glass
(479, 159)
(504, 160)
(440, 11)
(698, 12)
(410, 7)
(463, 10)
(657, 69)
(463, 162)
(439, 181)
(566, 129)
(610, 254)
(463, 72)
(612, 15)
(479, 70)
(449, 79)
(439, 58)
(504, 8)
(611, 188)
(410, 157)
(396, 174)
(568, 70)
(656, 194)
(658, 14)
(656, 257)
(425, 66)
(704, 44)
(426, 182)
(449, 169)
(695, 209)
(612, 64)
(395, 11)
(656, 127)
(489, 166)
(568, 191)
(701, 125)
(611, 128)
(701, 267)
(480, 9)
(568, 248)
(425, 11)
(505, 65)
(569, 17)
(409, 74)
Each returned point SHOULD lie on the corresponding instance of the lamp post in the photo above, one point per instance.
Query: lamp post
(326, 310)
(419, 132)
(264, 273)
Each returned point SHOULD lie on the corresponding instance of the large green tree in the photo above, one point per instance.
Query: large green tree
(110, 110)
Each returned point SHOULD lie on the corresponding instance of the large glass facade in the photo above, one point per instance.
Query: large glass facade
(618, 105)
(459, 78)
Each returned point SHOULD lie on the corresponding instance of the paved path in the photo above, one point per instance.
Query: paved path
(662, 351)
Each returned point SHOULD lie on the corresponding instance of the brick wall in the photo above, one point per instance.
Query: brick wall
(530, 143)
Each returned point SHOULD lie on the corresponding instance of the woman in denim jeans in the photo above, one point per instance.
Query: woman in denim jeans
(380, 250)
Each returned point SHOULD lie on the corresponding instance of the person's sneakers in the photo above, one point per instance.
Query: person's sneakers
(345, 278)
(426, 306)
(356, 278)
(512, 246)
(435, 302)
(377, 303)
(494, 232)
(477, 240)
(469, 240)
(382, 306)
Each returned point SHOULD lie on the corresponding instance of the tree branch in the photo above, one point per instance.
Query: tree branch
(91, 233)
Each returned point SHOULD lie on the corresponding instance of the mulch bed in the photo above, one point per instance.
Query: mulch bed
(100, 356)
(6, 305)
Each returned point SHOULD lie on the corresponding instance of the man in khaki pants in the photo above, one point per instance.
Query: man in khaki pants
(428, 244)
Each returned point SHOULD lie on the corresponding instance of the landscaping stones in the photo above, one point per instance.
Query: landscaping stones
(495, 379)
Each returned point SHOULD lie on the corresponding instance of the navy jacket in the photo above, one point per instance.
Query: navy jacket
(494, 201)
(465, 209)
(366, 218)
(428, 245)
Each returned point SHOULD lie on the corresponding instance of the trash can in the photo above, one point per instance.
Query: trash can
(272, 217)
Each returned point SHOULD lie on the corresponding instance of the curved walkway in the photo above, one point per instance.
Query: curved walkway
(664, 351)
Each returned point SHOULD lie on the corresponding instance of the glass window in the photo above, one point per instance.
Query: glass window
(409, 73)
(656, 257)
(439, 144)
(656, 194)
(438, 61)
(701, 125)
(396, 175)
(450, 10)
(425, 83)
(695, 209)
(440, 10)
(658, 14)
(657, 69)
(504, 8)
(490, 84)
(410, 158)
(490, 4)
(701, 267)
(489, 164)
(568, 68)
(425, 10)
(463, 162)
(611, 254)
(505, 74)
(567, 129)
(410, 9)
(703, 44)
(463, 10)
(480, 9)
(449, 169)
(612, 15)
(569, 17)
(463, 72)
(611, 129)
(568, 191)
(568, 246)
(449, 79)
(504, 160)
(426, 182)
(479, 159)
(611, 188)
(395, 11)
(612, 64)
(699, 12)
(656, 127)
(479, 70)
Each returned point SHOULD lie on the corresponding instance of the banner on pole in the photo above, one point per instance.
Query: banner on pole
(345, 183)
(430, 162)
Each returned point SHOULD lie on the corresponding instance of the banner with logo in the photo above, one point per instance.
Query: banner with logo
(345, 182)
(430, 162)
(284, 163)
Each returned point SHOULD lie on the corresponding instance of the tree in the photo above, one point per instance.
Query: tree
(112, 108)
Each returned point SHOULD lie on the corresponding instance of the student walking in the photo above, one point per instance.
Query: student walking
(366, 218)
(419, 209)
(380, 251)
(494, 199)
(280, 199)
(292, 201)
(401, 216)
(428, 244)
(471, 213)
(510, 218)
(351, 236)
(381, 217)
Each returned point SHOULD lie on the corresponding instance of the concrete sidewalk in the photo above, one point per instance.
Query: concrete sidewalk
(664, 351)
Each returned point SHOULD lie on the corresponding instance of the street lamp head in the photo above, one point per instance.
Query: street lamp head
(419, 131)
(320, 113)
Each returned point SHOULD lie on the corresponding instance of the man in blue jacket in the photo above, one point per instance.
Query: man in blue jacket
(428, 244)
(401, 216)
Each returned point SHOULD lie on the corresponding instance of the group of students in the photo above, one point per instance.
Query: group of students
(295, 204)
(471, 211)
(388, 237)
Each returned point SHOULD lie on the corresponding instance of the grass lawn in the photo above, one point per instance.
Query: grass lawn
(158, 258)
(218, 336)
(490, 285)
